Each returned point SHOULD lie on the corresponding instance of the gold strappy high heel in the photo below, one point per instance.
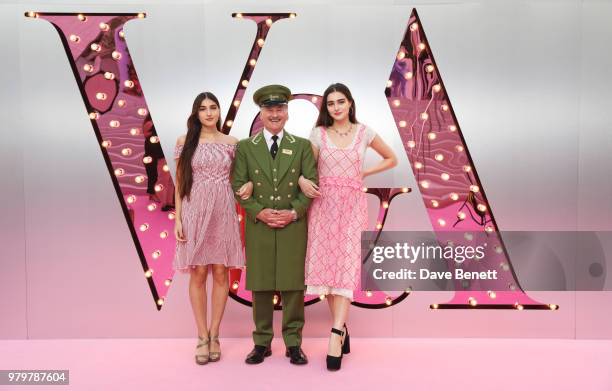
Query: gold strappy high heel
(200, 357)
(215, 356)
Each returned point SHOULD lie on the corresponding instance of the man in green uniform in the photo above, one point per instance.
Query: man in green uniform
(276, 228)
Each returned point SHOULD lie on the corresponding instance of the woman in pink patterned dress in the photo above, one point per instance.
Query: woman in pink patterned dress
(206, 225)
(339, 212)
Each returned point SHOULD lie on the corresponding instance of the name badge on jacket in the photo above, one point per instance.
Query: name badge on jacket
(287, 151)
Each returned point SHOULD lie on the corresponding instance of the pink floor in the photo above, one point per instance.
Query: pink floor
(374, 364)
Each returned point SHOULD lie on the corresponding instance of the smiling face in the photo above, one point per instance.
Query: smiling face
(208, 113)
(274, 117)
(338, 106)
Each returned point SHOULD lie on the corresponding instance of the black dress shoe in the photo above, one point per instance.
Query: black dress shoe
(298, 357)
(257, 355)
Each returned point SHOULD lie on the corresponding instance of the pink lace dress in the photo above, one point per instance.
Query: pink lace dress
(337, 217)
(209, 218)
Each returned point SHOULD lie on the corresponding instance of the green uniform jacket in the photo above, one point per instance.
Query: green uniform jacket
(274, 256)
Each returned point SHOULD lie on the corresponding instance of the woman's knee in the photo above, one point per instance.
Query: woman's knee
(219, 274)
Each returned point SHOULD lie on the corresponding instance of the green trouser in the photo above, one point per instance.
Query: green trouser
(293, 317)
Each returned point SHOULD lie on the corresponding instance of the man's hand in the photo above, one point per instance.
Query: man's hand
(275, 218)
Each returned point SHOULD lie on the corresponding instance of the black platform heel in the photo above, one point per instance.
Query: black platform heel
(346, 346)
(333, 362)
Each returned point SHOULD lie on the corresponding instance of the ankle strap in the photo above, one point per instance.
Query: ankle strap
(336, 331)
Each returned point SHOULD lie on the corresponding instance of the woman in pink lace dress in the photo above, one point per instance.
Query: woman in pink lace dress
(206, 225)
(339, 212)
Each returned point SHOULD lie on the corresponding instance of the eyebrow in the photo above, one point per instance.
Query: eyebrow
(211, 106)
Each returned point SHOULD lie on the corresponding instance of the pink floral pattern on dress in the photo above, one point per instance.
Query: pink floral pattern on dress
(336, 219)
(209, 218)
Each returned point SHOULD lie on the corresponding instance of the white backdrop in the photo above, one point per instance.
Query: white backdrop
(529, 82)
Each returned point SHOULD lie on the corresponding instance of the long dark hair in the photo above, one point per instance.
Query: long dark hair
(324, 118)
(184, 171)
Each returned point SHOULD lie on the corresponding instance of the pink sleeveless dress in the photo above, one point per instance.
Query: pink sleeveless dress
(336, 218)
(209, 217)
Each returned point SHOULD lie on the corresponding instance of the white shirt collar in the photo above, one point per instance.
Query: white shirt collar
(268, 136)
